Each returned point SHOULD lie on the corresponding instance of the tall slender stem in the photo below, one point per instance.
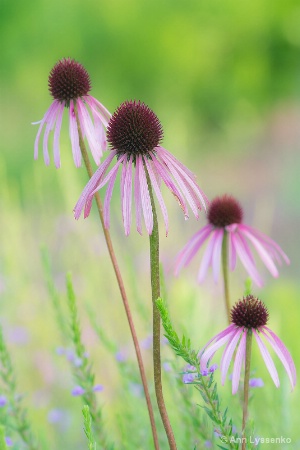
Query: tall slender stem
(246, 386)
(120, 284)
(155, 285)
(225, 274)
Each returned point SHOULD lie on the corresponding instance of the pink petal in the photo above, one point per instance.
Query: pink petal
(99, 109)
(53, 111)
(106, 206)
(220, 339)
(282, 353)
(74, 136)
(262, 252)
(190, 177)
(158, 193)
(57, 134)
(145, 198)
(232, 251)
(183, 174)
(207, 257)
(137, 194)
(164, 174)
(91, 185)
(243, 252)
(267, 358)
(216, 257)
(88, 130)
(228, 352)
(126, 180)
(42, 122)
(239, 358)
(191, 248)
(268, 242)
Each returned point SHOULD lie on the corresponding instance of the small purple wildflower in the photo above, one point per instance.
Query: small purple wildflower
(136, 389)
(3, 401)
(55, 415)
(248, 314)
(204, 372)
(60, 351)
(98, 388)
(256, 382)
(213, 368)
(78, 390)
(189, 377)
(121, 356)
(134, 133)
(8, 441)
(147, 343)
(69, 83)
(225, 215)
(208, 444)
(167, 367)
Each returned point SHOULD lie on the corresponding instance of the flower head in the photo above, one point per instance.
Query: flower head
(69, 84)
(135, 133)
(248, 314)
(225, 216)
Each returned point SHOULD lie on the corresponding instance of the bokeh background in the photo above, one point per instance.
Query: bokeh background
(224, 79)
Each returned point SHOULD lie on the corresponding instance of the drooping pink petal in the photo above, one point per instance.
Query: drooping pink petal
(207, 257)
(265, 257)
(267, 358)
(272, 245)
(158, 193)
(109, 191)
(164, 174)
(216, 256)
(137, 194)
(57, 135)
(232, 251)
(220, 340)
(228, 352)
(88, 130)
(184, 175)
(53, 111)
(239, 358)
(74, 136)
(182, 186)
(282, 353)
(91, 186)
(127, 194)
(99, 134)
(145, 199)
(192, 247)
(227, 330)
(190, 178)
(98, 108)
(164, 151)
(42, 122)
(246, 260)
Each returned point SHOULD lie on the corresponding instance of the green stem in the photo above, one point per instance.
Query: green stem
(246, 386)
(225, 274)
(120, 284)
(155, 285)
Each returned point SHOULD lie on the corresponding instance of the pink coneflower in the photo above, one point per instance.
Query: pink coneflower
(225, 215)
(134, 133)
(248, 314)
(69, 83)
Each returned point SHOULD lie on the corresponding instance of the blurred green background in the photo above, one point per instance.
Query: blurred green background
(224, 79)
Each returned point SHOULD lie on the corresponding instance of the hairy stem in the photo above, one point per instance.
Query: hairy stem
(155, 285)
(246, 386)
(120, 284)
(225, 274)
